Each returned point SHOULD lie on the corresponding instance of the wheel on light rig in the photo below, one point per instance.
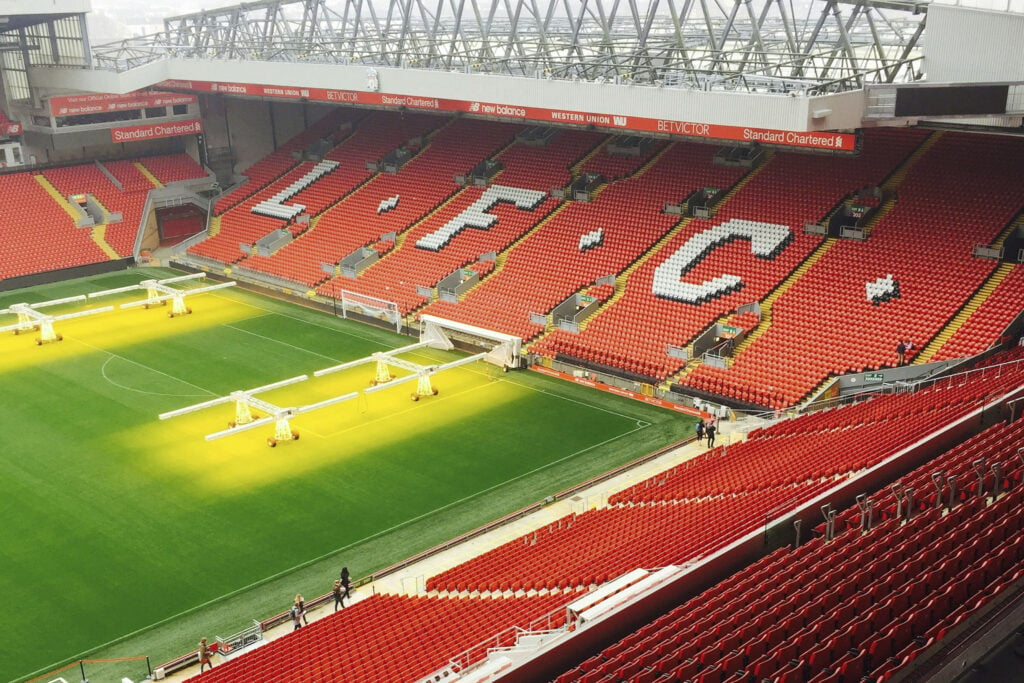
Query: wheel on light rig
(414, 397)
(272, 442)
(60, 337)
(434, 391)
(295, 436)
(232, 424)
(188, 311)
(39, 341)
(17, 331)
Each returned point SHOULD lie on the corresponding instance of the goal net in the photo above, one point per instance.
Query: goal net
(369, 306)
(502, 349)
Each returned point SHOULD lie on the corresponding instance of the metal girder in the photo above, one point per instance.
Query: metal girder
(753, 45)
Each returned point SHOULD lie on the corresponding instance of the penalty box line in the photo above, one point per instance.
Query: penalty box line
(270, 311)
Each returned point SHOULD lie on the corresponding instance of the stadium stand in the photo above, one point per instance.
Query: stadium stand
(39, 234)
(884, 591)
(598, 545)
(788, 190)
(172, 168)
(421, 185)
(528, 168)
(912, 241)
(989, 320)
(389, 637)
(355, 143)
(550, 264)
(869, 601)
(130, 198)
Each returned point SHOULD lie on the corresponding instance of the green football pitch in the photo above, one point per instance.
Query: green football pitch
(125, 535)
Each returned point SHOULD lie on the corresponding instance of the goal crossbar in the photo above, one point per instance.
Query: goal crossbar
(503, 349)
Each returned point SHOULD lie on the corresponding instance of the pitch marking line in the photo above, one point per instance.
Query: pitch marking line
(141, 365)
(278, 341)
(271, 311)
(103, 372)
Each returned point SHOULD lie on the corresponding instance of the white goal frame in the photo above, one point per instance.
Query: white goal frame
(503, 350)
(371, 306)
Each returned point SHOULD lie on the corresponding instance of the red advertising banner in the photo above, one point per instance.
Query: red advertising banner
(12, 128)
(156, 130)
(618, 391)
(845, 142)
(94, 103)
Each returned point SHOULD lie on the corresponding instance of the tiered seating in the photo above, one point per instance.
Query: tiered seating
(988, 322)
(129, 201)
(170, 168)
(387, 637)
(87, 178)
(618, 167)
(274, 206)
(422, 184)
(861, 605)
(528, 168)
(791, 190)
(963, 191)
(550, 265)
(997, 444)
(770, 460)
(280, 161)
(864, 604)
(598, 545)
(38, 234)
(370, 140)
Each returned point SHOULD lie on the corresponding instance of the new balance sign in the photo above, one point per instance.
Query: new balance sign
(156, 130)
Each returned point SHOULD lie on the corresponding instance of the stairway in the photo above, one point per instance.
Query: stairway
(964, 314)
(574, 170)
(99, 234)
(501, 258)
(57, 196)
(214, 227)
(149, 175)
(769, 301)
(897, 177)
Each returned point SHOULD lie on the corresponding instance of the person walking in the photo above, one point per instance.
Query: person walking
(699, 428)
(204, 655)
(346, 581)
(339, 595)
(709, 431)
(296, 615)
(301, 604)
(901, 352)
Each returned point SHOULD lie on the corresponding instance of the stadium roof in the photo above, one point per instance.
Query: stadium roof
(764, 46)
(15, 15)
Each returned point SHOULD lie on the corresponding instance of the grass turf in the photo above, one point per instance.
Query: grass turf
(116, 521)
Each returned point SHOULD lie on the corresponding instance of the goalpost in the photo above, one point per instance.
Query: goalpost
(503, 350)
(371, 306)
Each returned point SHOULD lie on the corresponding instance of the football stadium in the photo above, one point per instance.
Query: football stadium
(519, 340)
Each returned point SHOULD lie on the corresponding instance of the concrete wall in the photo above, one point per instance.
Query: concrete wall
(726, 108)
(84, 146)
